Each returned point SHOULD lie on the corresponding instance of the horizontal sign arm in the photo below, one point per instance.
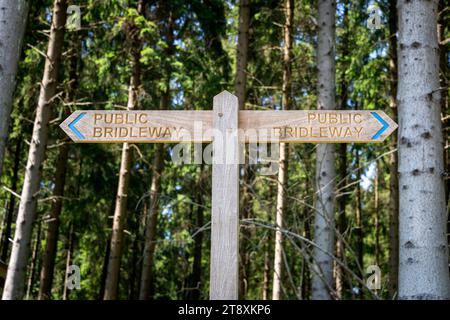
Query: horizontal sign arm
(294, 126)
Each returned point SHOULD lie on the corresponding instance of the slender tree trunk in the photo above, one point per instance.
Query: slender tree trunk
(377, 216)
(242, 52)
(112, 276)
(105, 267)
(342, 163)
(423, 272)
(358, 216)
(15, 279)
(266, 273)
(6, 235)
(393, 161)
(241, 93)
(284, 152)
(151, 226)
(147, 283)
(48, 262)
(34, 260)
(325, 167)
(306, 274)
(13, 18)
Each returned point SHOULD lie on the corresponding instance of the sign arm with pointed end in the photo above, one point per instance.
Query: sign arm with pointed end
(296, 126)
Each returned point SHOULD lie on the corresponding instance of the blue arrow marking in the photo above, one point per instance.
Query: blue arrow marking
(384, 123)
(73, 123)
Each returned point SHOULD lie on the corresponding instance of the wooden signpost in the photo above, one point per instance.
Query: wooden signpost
(233, 127)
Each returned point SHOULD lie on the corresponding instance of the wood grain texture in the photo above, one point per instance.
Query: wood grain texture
(224, 272)
(165, 126)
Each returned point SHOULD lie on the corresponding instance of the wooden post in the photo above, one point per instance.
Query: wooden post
(225, 199)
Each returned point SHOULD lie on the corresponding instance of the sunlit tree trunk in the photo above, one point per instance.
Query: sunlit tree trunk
(325, 167)
(423, 272)
(240, 88)
(13, 18)
(112, 276)
(284, 152)
(48, 261)
(151, 226)
(341, 200)
(15, 279)
(358, 229)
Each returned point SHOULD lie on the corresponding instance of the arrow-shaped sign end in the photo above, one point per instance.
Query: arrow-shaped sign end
(387, 125)
(68, 126)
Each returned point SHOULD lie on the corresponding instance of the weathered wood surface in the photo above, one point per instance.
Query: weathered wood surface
(225, 201)
(296, 126)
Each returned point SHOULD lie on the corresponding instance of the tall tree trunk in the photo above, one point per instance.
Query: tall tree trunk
(34, 260)
(242, 52)
(342, 162)
(13, 18)
(112, 276)
(48, 262)
(12, 201)
(284, 152)
(151, 225)
(241, 93)
(147, 283)
(15, 279)
(306, 274)
(423, 268)
(358, 216)
(325, 167)
(393, 161)
(266, 272)
(377, 215)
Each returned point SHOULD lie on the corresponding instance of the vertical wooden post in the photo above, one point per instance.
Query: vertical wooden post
(224, 269)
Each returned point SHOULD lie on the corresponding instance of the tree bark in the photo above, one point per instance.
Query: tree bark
(377, 216)
(423, 272)
(358, 217)
(325, 167)
(241, 93)
(15, 279)
(342, 163)
(13, 18)
(147, 283)
(48, 261)
(242, 52)
(151, 226)
(393, 161)
(112, 276)
(284, 152)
